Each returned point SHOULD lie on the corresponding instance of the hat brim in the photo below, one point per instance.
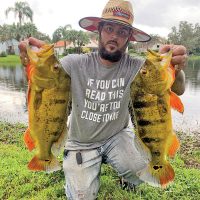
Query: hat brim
(91, 24)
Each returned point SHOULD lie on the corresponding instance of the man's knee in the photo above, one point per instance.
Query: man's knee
(81, 194)
(82, 178)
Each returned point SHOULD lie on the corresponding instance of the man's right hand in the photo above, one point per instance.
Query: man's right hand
(22, 48)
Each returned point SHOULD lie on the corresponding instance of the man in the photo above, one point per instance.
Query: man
(100, 85)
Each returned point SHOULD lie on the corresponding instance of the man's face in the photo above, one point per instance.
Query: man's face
(113, 41)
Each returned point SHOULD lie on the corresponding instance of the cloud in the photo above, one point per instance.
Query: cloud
(153, 16)
(157, 13)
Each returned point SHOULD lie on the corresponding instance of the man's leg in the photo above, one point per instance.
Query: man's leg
(126, 155)
(82, 169)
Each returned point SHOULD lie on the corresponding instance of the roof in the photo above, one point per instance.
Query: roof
(59, 44)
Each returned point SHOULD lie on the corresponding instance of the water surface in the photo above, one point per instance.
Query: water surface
(13, 107)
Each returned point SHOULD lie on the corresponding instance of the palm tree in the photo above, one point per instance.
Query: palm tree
(78, 38)
(4, 32)
(22, 10)
(61, 33)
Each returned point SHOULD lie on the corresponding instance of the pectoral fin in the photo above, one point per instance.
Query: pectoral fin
(28, 140)
(176, 103)
(175, 145)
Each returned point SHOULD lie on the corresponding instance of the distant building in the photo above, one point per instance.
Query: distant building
(9, 46)
(60, 46)
(153, 44)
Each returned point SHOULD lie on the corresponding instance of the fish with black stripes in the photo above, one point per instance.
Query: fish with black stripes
(152, 100)
(48, 98)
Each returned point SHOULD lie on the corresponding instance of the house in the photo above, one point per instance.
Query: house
(9, 46)
(3, 47)
(60, 46)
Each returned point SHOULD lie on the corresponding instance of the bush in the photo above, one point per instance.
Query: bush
(69, 51)
(131, 51)
(3, 54)
(143, 54)
(85, 50)
(65, 52)
(11, 52)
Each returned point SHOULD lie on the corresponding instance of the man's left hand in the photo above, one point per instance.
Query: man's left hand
(179, 55)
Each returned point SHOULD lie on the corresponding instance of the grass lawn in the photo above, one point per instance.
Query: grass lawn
(194, 57)
(16, 182)
(10, 60)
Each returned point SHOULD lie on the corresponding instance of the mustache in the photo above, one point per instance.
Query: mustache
(112, 42)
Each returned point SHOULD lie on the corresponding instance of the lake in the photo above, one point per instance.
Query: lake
(13, 106)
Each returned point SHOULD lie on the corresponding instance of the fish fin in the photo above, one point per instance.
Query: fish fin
(175, 145)
(44, 165)
(28, 140)
(60, 143)
(176, 103)
(157, 175)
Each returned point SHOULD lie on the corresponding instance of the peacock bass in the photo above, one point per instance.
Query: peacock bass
(152, 100)
(48, 97)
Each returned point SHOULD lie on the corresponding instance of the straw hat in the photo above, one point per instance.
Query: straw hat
(118, 11)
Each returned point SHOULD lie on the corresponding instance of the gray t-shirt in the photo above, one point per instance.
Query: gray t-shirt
(100, 98)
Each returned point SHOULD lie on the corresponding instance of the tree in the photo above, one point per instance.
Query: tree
(43, 36)
(78, 38)
(61, 33)
(92, 35)
(82, 40)
(187, 35)
(174, 37)
(22, 10)
(8, 32)
(4, 33)
(197, 39)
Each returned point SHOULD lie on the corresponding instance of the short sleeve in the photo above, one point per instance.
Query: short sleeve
(68, 62)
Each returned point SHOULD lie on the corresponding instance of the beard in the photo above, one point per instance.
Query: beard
(112, 57)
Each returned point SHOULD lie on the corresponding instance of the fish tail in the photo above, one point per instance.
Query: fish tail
(28, 140)
(44, 165)
(157, 175)
(168, 175)
(176, 103)
(175, 145)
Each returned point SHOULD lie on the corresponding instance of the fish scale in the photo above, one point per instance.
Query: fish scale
(48, 99)
(151, 113)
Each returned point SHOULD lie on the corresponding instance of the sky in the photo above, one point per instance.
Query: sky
(151, 16)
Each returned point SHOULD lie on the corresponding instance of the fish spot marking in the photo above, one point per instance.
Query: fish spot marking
(149, 140)
(141, 104)
(156, 153)
(156, 167)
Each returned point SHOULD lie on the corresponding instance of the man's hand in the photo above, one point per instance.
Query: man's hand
(179, 55)
(22, 48)
(179, 60)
